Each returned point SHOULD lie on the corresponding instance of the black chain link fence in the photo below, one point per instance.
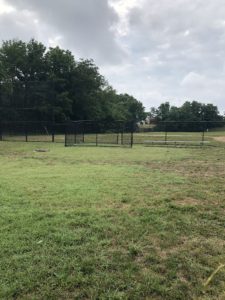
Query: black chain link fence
(116, 133)
(32, 131)
(99, 133)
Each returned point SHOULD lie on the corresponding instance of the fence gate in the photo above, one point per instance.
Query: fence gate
(99, 133)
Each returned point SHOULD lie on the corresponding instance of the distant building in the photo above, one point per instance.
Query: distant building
(148, 120)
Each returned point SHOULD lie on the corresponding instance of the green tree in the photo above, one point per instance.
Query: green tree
(188, 117)
(48, 84)
(60, 67)
(87, 85)
(21, 65)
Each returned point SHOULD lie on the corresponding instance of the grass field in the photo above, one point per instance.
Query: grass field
(111, 223)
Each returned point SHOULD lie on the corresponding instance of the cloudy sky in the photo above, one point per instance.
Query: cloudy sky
(156, 50)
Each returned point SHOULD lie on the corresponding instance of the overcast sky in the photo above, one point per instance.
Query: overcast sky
(156, 50)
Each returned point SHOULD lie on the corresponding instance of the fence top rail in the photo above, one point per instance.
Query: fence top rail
(100, 121)
(30, 123)
(191, 122)
(186, 142)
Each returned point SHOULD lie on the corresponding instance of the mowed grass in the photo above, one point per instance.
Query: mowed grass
(111, 223)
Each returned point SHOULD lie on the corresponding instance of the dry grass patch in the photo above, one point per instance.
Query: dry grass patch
(220, 139)
(189, 201)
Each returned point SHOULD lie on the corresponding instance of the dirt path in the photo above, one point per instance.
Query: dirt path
(220, 138)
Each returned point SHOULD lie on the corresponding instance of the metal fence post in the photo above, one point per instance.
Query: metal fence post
(203, 134)
(26, 131)
(96, 129)
(166, 133)
(65, 136)
(1, 132)
(53, 132)
(132, 139)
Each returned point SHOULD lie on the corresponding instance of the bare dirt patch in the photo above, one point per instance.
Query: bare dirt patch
(187, 202)
(196, 246)
(220, 139)
(191, 168)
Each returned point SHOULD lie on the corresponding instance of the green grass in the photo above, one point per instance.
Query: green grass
(111, 223)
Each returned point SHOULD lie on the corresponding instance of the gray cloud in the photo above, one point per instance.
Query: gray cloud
(157, 50)
(83, 26)
(177, 49)
(15, 25)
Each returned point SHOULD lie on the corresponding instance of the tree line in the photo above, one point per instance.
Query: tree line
(48, 84)
(37, 83)
(189, 116)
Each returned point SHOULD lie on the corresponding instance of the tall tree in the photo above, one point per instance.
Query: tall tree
(60, 67)
(189, 116)
(48, 84)
(87, 83)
